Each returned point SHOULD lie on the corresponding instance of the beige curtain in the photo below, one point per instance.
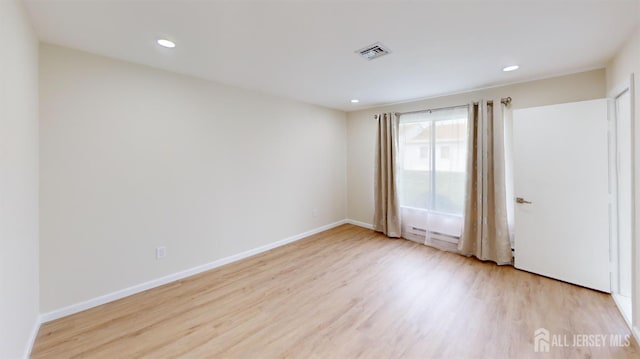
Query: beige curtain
(485, 232)
(387, 209)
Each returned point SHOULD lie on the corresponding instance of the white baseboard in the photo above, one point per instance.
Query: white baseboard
(32, 337)
(621, 309)
(359, 224)
(94, 302)
(635, 331)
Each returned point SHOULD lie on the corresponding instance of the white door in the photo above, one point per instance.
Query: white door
(561, 167)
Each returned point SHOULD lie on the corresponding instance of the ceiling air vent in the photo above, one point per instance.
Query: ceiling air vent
(373, 51)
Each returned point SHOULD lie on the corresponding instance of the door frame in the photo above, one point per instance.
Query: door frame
(617, 91)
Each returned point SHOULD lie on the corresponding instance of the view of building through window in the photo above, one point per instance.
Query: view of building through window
(433, 153)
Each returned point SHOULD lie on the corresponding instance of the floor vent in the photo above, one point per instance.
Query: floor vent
(373, 51)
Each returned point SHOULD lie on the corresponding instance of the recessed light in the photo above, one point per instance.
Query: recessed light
(511, 68)
(355, 101)
(166, 43)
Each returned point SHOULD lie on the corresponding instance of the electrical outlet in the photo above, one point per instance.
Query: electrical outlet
(314, 212)
(161, 252)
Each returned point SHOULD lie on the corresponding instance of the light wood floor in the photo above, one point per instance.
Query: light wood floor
(347, 292)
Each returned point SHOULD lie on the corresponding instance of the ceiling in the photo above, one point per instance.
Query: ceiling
(304, 49)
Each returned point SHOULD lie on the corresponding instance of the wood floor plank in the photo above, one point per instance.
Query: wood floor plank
(344, 293)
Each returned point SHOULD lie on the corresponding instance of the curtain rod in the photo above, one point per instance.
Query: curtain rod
(429, 110)
(505, 101)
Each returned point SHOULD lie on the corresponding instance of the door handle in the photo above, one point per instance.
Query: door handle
(522, 200)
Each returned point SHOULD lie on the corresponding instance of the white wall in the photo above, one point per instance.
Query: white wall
(627, 62)
(361, 126)
(133, 158)
(18, 181)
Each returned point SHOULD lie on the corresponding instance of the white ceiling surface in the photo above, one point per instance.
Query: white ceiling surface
(304, 49)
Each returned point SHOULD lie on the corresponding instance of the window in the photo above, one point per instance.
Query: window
(433, 153)
(444, 152)
(424, 152)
